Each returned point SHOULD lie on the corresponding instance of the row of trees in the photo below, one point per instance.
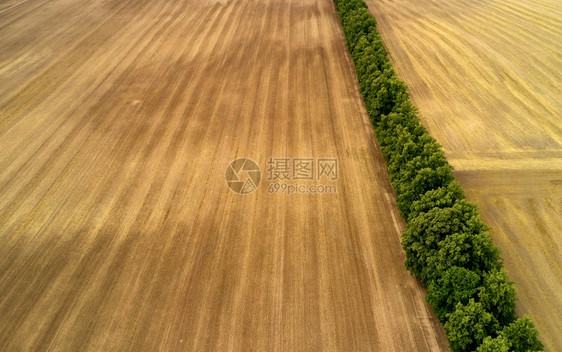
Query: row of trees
(446, 243)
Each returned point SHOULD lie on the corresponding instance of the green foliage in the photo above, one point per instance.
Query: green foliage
(392, 124)
(499, 344)
(519, 336)
(468, 325)
(445, 241)
(415, 153)
(426, 234)
(457, 285)
(522, 336)
(497, 294)
(472, 251)
(417, 180)
(396, 142)
(442, 197)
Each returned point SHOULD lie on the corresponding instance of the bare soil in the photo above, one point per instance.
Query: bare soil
(118, 120)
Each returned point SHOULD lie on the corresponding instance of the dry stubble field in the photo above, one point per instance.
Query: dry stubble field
(118, 231)
(486, 76)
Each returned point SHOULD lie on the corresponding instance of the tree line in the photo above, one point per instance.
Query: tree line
(447, 244)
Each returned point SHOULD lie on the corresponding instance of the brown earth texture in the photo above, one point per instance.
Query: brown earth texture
(118, 121)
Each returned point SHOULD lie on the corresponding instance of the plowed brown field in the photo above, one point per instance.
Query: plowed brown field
(486, 76)
(118, 120)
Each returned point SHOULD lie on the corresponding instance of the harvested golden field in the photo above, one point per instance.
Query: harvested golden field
(118, 120)
(486, 78)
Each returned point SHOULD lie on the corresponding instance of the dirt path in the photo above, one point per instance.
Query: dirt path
(486, 77)
(118, 231)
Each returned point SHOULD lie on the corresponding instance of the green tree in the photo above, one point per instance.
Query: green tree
(522, 335)
(394, 143)
(442, 197)
(456, 285)
(468, 325)
(427, 171)
(497, 294)
(409, 189)
(408, 150)
(406, 118)
(421, 238)
(392, 92)
(499, 344)
(424, 153)
(356, 23)
(475, 252)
